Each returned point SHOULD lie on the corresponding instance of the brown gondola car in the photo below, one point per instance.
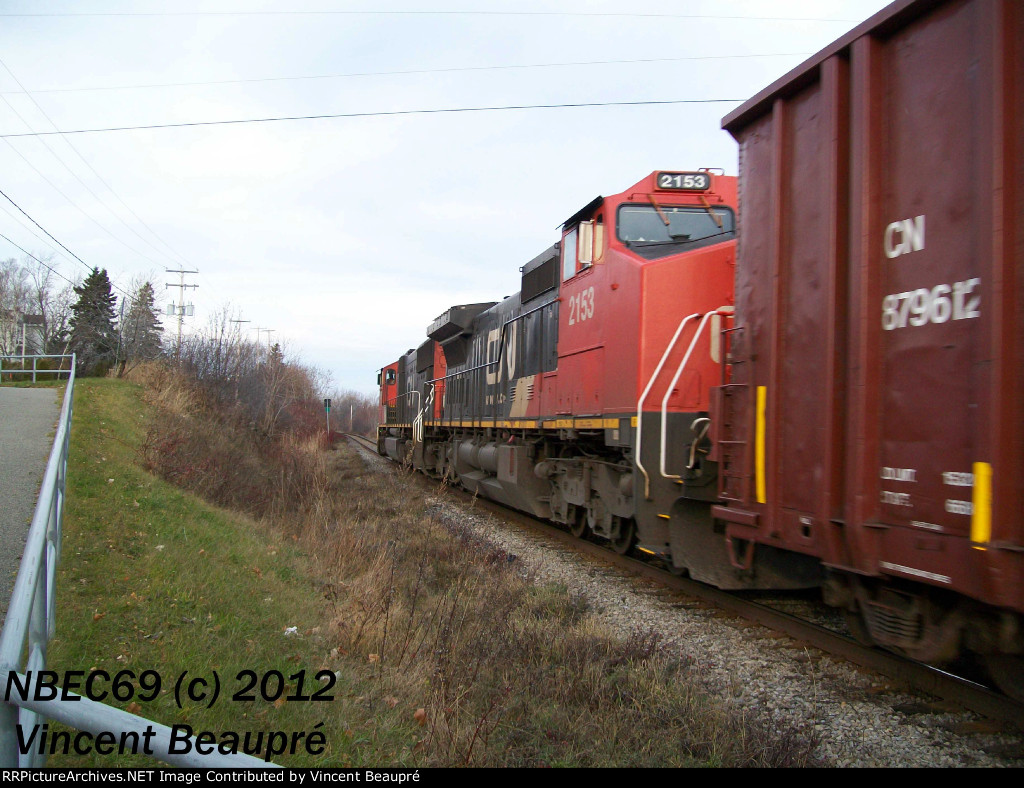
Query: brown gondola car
(874, 417)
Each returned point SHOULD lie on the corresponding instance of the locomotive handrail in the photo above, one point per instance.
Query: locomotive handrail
(501, 344)
(722, 311)
(417, 423)
(393, 403)
(643, 396)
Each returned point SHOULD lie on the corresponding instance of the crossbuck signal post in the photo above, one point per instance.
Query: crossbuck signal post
(180, 308)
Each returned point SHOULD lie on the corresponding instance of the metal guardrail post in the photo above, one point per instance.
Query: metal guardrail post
(35, 366)
(30, 623)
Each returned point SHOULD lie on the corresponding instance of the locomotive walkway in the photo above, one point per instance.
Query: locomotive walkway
(27, 419)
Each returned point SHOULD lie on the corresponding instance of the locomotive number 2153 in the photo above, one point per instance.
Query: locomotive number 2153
(581, 306)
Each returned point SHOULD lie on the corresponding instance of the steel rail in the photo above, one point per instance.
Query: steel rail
(914, 675)
(921, 677)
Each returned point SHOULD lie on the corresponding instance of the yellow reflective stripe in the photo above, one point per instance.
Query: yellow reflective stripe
(981, 509)
(759, 447)
(553, 424)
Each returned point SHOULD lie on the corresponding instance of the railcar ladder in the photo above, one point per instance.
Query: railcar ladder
(734, 470)
(733, 473)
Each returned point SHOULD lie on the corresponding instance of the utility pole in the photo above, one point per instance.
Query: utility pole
(239, 336)
(120, 334)
(259, 330)
(180, 309)
(238, 322)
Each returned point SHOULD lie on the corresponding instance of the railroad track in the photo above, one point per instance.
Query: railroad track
(362, 441)
(923, 678)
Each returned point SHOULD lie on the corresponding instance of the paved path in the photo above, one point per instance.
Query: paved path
(28, 419)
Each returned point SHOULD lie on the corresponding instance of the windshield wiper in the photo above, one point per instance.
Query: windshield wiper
(682, 239)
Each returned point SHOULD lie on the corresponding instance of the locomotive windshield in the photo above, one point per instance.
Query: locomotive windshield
(653, 231)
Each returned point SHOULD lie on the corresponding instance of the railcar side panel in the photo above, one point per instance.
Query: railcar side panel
(879, 273)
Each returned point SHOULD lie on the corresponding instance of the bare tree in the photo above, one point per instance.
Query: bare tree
(31, 295)
(52, 301)
(14, 303)
(353, 412)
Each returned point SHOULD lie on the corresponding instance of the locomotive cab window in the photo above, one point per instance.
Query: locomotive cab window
(569, 254)
(390, 378)
(582, 246)
(653, 231)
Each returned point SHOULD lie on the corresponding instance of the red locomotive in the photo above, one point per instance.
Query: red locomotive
(853, 419)
(542, 401)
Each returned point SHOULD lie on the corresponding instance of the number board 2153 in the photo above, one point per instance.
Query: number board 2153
(684, 181)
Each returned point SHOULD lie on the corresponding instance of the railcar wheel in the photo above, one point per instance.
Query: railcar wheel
(858, 627)
(1007, 671)
(578, 526)
(624, 542)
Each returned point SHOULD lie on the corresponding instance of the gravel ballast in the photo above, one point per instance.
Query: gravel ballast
(859, 718)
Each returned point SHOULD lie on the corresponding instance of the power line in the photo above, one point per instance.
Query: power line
(84, 184)
(25, 251)
(593, 14)
(63, 194)
(88, 267)
(390, 113)
(125, 298)
(37, 224)
(404, 72)
(70, 201)
(33, 233)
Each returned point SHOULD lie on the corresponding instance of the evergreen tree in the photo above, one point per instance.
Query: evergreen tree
(93, 336)
(141, 333)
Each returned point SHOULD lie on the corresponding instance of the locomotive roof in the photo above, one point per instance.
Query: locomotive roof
(583, 212)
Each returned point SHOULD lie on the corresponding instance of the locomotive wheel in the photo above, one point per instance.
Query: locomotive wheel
(1007, 671)
(624, 542)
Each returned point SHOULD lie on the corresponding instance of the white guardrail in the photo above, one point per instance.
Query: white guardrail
(9, 372)
(31, 616)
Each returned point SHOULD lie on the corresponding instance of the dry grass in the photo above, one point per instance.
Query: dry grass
(465, 660)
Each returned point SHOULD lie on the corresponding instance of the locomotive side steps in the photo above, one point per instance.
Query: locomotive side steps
(721, 311)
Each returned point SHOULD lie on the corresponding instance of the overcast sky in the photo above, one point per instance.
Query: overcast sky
(348, 236)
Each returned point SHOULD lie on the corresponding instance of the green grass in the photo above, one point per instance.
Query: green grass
(152, 578)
